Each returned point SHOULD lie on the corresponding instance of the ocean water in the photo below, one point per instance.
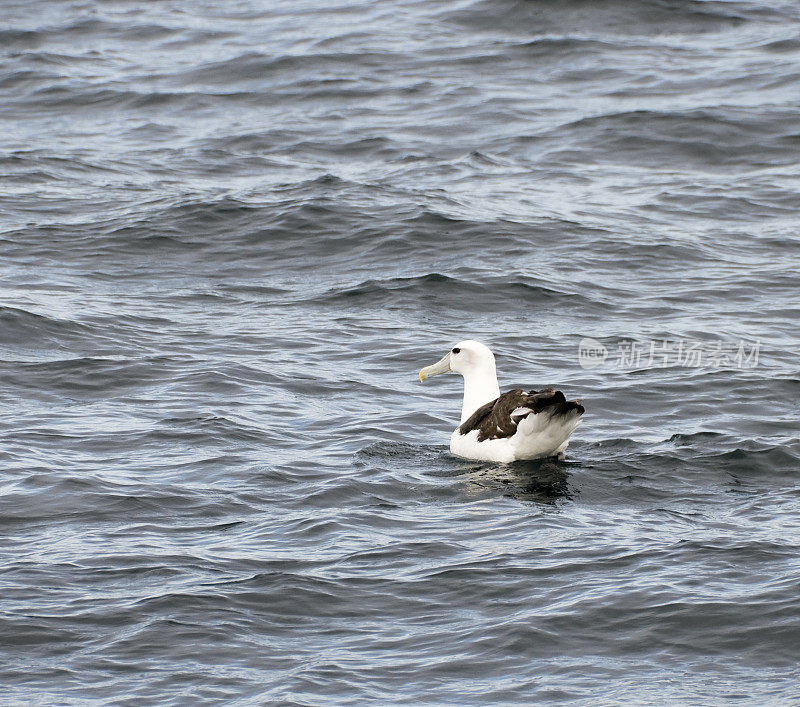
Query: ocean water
(232, 233)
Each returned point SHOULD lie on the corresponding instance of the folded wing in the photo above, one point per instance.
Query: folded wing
(501, 417)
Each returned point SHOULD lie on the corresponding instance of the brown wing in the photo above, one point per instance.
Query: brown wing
(499, 418)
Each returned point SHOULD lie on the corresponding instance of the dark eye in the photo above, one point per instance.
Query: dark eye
(456, 350)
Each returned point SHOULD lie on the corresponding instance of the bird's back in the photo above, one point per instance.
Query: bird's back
(519, 425)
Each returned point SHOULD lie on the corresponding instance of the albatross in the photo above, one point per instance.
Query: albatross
(504, 428)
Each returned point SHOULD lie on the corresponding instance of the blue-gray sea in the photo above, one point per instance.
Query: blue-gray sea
(231, 232)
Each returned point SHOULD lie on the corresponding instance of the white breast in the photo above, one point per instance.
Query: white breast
(537, 436)
(490, 450)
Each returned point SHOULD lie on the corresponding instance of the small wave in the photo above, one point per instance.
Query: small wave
(20, 37)
(646, 17)
(763, 457)
(208, 428)
(21, 328)
(399, 450)
(783, 45)
(722, 136)
(557, 47)
(456, 293)
(261, 68)
(87, 378)
(702, 438)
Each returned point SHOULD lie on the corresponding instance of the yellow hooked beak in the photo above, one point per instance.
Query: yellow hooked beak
(441, 366)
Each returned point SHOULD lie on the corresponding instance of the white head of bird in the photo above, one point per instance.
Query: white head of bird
(475, 362)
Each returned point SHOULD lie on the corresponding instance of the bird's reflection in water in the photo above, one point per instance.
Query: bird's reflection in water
(542, 481)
